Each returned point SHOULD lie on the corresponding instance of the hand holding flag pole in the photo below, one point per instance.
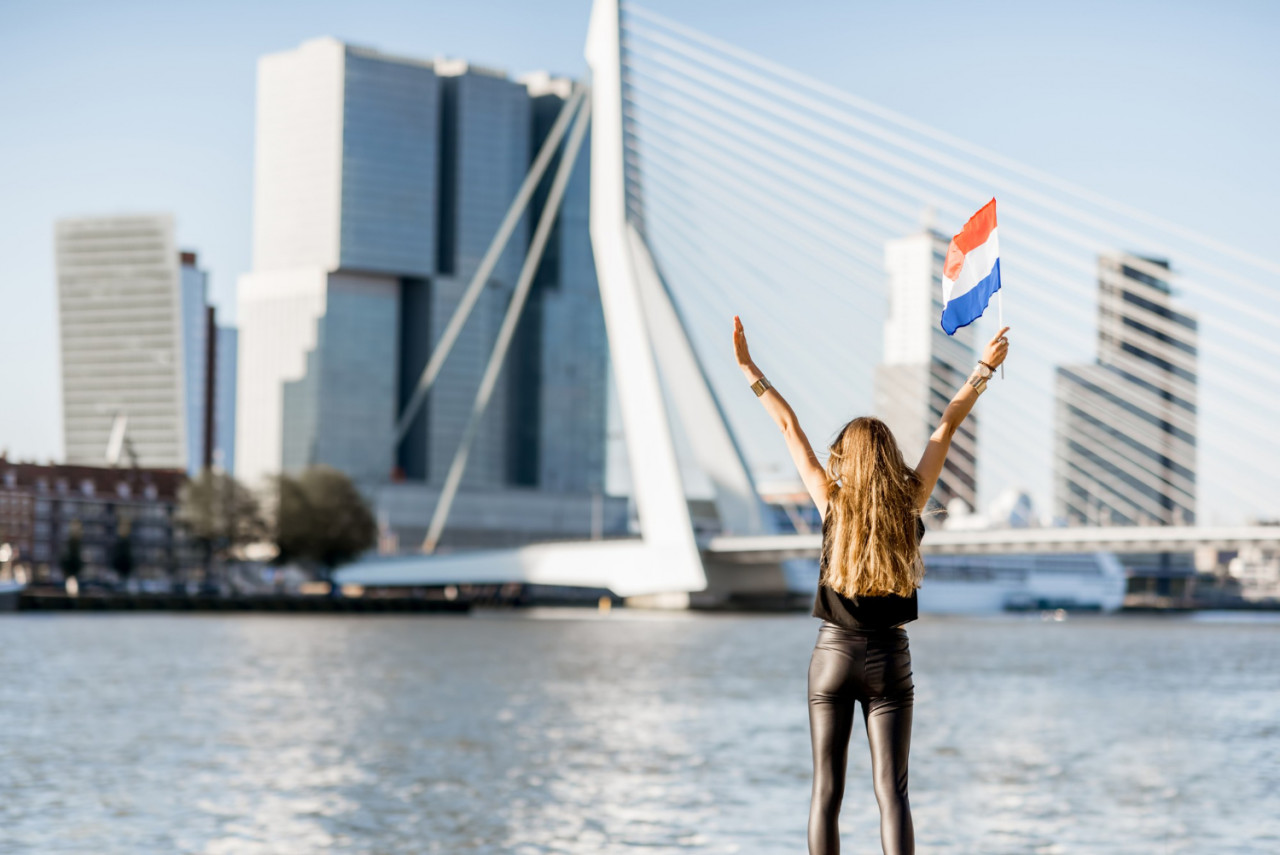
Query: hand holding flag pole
(1000, 321)
(971, 273)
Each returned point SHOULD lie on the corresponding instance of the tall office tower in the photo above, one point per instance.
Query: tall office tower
(485, 149)
(120, 311)
(208, 360)
(558, 372)
(1125, 428)
(197, 361)
(380, 182)
(224, 399)
(923, 366)
(344, 207)
(136, 348)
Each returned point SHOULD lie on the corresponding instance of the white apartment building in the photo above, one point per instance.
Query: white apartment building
(120, 318)
(139, 346)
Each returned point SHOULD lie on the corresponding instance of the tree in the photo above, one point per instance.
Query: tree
(121, 555)
(321, 519)
(220, 514)
(72, 560)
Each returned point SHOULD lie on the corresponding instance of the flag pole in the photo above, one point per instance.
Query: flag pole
(1000, 320)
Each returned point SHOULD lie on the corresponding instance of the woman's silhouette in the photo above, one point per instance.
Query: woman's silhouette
(870, 568)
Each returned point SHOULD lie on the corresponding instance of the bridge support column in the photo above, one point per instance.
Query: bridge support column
(653, 363)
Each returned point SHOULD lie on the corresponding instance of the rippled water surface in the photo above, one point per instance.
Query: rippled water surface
(570, 732)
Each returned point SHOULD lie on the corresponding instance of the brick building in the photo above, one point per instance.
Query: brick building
(41, 506)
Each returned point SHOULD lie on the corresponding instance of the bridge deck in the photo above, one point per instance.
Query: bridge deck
(751, 550)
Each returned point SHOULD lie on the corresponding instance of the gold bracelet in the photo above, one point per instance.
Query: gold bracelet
(760, 386)
(978, 382)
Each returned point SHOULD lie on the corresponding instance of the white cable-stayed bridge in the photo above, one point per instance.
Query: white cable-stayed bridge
(723, 183)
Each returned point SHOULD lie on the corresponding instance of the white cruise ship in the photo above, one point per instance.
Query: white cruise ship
(990, 583)
(969, 584)
(985, 584)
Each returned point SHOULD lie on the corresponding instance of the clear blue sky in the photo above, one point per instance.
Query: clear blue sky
(1173, 107)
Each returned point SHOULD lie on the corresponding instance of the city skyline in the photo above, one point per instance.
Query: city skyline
(1011, 130)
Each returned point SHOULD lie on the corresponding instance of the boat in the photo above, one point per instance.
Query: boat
(965, 584)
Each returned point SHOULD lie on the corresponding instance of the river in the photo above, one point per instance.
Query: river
(576, 732)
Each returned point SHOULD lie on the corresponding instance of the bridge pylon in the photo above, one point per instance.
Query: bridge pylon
(652, 354)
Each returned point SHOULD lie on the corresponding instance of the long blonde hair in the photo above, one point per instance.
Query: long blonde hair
(871, 508)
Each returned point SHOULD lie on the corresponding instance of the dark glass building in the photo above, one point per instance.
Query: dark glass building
(1125, 426)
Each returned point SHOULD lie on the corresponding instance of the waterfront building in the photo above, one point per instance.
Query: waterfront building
(224, 399)
(923, 366)
(42, 506)
(344, 190)
(1125, 426)
(137, 344)
(379, 182)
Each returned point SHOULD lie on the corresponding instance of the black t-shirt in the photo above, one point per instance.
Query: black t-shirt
(880, 612)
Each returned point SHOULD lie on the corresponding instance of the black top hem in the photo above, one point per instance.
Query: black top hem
(868, 614)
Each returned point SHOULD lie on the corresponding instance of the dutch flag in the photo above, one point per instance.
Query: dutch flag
(971, 273)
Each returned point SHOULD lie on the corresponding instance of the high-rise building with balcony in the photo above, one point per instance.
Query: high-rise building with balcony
(1125, 426)
(923, 366)
(137, 349)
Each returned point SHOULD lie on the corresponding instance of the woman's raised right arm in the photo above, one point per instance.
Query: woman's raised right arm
(935, 453)
(810, 470)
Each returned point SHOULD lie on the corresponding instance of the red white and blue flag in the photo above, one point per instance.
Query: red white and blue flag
(971, 273)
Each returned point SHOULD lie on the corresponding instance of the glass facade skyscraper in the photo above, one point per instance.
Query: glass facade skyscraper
(224, 399)
(568, 451)
(196, 365)
(1125, 429)
(390, 165)
(380, 182)
(346, 168)
(486, 146)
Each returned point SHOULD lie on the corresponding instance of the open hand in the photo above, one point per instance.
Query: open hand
(740, 343)
(997, 349)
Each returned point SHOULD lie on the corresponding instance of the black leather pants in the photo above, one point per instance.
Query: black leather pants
(849, 667)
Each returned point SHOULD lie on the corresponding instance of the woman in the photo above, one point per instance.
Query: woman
(870, 568)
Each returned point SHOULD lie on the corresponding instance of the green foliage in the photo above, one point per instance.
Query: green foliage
(322, 519)
(220, 513)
